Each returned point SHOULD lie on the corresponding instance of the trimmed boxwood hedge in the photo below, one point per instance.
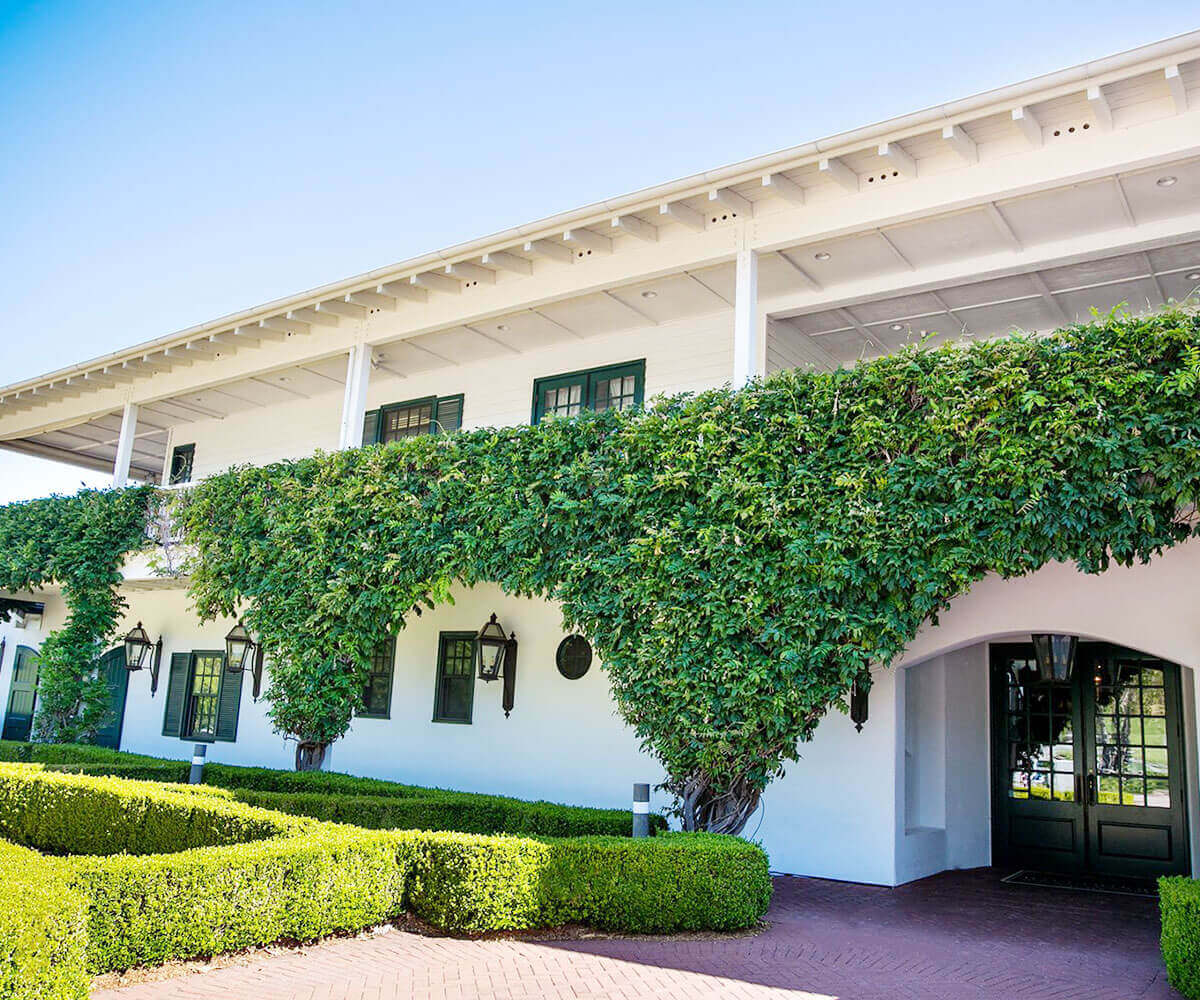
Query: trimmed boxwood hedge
(1179, 904)
(368, 802)
(449, 811)
(301, 878)
(43, 929)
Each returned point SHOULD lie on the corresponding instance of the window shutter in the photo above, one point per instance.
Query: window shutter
(177, 682)
(231, 703)
(370, 427)
(449, 413)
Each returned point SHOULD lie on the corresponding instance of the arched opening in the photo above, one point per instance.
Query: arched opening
(1003, 765)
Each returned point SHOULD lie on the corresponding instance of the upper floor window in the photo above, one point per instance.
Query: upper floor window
(182, 460)
(613, 387)
(431, 415)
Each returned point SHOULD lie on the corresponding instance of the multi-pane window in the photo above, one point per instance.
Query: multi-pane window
(377, 695)
(455, 677)
(204, 694)
(1041, 735)
(182, 460)
(619, 387)
(431, 415)
(1131, 736)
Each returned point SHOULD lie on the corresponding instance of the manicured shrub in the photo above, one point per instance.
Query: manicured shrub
(1179, 904)
(434, 810)
(43, 930)
(148, 910)
(75, 814)
(672, 882)
(166, 771)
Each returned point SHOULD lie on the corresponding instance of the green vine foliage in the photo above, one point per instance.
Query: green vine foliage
(738, 558)
(78, 542)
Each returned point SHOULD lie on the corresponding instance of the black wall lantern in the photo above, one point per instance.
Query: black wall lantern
(138, 654)
(858, 704)
(238, 649)
(495, 657)
(1055, 655)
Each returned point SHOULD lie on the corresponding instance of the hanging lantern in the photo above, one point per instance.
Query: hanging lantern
(137, 648)
(1055, 656)
(491, 645)
(858, 704)
(238, 647)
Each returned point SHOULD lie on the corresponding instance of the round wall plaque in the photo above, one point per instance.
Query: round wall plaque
(574, 657)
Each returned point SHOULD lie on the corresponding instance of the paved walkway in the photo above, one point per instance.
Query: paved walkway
(956, 936)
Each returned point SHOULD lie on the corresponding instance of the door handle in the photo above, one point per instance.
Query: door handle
(1091, 788)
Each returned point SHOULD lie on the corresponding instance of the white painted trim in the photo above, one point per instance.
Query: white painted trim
(125, 444)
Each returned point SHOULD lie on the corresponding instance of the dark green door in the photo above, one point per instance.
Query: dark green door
(112, 668)
(1088, 773)
(22, 695)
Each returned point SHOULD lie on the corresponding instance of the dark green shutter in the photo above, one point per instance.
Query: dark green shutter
(177, 684)
(370, 428)
(231, 702)
(449, 413)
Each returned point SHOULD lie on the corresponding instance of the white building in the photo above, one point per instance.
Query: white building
(1024, 207)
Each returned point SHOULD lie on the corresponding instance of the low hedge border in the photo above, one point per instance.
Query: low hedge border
(372, 803)
(43, 929)
(448, 811)
(303, 878)
(1179, 906)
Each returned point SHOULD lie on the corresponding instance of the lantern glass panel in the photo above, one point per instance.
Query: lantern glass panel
(237, 648)
(1055, 656)
(490, 646)
(137, 647)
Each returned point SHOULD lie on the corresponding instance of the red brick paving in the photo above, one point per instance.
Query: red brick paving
(956, 936)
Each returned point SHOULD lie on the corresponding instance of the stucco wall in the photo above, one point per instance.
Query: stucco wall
(683, 356)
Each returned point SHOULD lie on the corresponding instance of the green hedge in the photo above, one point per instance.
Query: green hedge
(1179, 903)
(344, 798)
(43, 930)
(304, 878)
(75, 814)
(450, 811)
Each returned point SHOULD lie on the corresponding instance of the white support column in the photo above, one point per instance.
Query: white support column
(748, 350)
(125, 445)
(354, 403)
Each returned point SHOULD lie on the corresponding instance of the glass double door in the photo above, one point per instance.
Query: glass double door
(1088, 773)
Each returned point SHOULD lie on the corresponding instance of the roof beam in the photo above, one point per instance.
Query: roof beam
(851, 320)
(548, 248)
(179, 356)
(1048, 297)
(436, 283)
(340, 307)
(585, 239)
(1100, 108)
(634, 226)
(731, 200)
(372, 300)
(1003, 227)
(898, 158)
(961, 143)
(682, 213)
(402, 290)
(471, 272)
(1177, 89)
(785, 187)
(1030, 127)
(507, 262)
(284, 324)
(839, 173)
(306, 314)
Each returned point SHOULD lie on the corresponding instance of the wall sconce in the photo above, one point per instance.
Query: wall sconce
(496, 656)
(140, 652)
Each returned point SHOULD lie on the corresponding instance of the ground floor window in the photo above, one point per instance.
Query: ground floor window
(377, 695)
(455, 691)
(203, 698)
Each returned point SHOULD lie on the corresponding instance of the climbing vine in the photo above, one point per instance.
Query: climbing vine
(78, 542)
(739, 558)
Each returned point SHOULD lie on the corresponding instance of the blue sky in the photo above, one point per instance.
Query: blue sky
(163, 164)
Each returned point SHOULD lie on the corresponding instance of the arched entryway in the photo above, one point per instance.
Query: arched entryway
(1088, 769)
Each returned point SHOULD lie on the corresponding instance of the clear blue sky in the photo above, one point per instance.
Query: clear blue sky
(163, 164)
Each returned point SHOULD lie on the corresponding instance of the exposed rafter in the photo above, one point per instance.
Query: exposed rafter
(785, 187)
(634, 226)
(961, 143)
(685, 214)
(839, 173)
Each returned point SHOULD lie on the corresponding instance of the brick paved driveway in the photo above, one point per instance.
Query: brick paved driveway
(956, 936)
